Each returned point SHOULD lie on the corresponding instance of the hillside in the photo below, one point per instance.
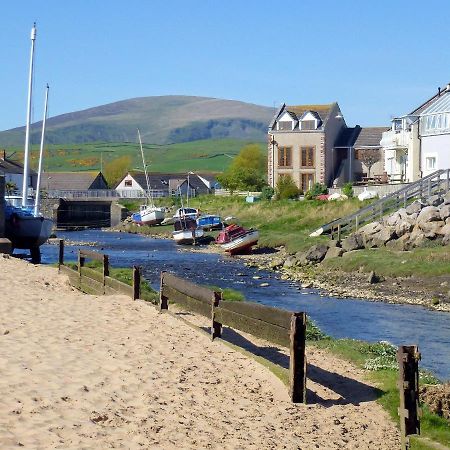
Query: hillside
(206, 155)
(162, 120)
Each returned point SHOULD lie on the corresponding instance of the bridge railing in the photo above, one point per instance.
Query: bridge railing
(104, 193)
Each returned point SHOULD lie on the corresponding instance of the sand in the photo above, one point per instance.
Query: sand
(86, 372)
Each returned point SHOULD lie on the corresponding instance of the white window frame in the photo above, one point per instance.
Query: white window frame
(428, 159)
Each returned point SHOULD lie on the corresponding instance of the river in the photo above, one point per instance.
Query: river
(340, 318)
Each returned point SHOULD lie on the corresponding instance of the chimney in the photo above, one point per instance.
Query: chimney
(439, 91)
(448, 87)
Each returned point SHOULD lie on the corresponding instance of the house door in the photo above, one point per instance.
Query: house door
(306, 181)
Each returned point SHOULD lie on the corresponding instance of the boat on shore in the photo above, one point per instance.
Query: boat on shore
(148, 214)
(235, 239)
(186, 213)
(186, 231)
(210, 222)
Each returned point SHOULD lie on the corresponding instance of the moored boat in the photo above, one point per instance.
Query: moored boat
(235, 239)
(186, 231)
(186, 212)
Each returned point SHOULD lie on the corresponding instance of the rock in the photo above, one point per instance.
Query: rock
(316, 253)
(445, 211)
(301, 258)
(429, 214)
(373, 278)
(431, 229)
(402, 243)
(414, 207)
(381, 238)
(447, 198)
(435, 200)
(334, 243)
(276, 263)
(371, 228)
(350, 253)
(393, 219)
(445, 230)
(403, 227)
(334, 252)
(353, 242)
(290, 262)
(306, 285)
(437, 397)
(417, 237)
(446, 239)
(264, 284)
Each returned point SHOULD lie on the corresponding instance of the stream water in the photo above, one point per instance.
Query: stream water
(349, 318)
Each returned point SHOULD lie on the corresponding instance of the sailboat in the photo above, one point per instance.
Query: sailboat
(25, 227)
(148, 213)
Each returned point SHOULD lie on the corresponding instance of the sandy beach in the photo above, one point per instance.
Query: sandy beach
(86, 372)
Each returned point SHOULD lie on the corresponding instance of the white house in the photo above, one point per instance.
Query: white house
(13, 173)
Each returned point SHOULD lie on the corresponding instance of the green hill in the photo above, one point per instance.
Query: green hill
(205, 155)
(162, 120)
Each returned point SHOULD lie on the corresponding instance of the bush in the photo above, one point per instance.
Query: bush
(347, 190)
(286, 188)
(317, 189)
(267, 193)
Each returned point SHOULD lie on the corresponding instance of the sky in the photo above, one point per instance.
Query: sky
(377, 59)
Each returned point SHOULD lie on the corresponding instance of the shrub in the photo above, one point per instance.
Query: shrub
(267, 193)
(286, 188)
(347, 190)
(317, 189)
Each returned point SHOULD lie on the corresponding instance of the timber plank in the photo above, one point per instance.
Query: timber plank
(118, 286)
(74, 278)
(272, 333)
(267, 314)
(90, 286)
(192, 290)
(190, 303)
(91, 273)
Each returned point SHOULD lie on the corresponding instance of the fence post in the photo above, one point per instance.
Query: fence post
(297, 361)
(136, 282)
(429, 187)
(408, 357)
(81, 260)
(356, 223)
(216, 327)
(163, 300)
(339, 232)
(61, 254)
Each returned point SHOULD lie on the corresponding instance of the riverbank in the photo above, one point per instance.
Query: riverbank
(98, 372)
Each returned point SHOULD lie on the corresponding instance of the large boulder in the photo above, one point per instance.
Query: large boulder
(334, 252)
(434, 200)
(317, 253)
(429, 214)
(431, 229)
(402, 243)
(417, 237)
(446, 239)
(353, 242)
(403, 227)
(445, 229)
(414, 207)
(381, 238)
(370, 228)
(445, 211)
(393, 219)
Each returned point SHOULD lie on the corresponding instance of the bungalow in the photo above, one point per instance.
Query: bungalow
(418, 143)
(301, 140)
(13, 173)
(73, 181)
(134, 184)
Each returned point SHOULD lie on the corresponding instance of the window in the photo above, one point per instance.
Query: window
(430, 162)
(306, 180)
(308, 125)
(284, 156)
(285, 125)
(128, 183)
(307, 156)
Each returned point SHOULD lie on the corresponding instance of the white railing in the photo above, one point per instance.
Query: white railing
(226, 192)
(104, 193)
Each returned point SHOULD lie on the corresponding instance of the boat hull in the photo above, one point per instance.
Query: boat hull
(187, 237)
(154, 217)
(27, 232)
(241, 244)
(210, 222)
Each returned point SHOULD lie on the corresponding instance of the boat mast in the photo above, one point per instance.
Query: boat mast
(41, 153)
(27, 130)
(145, 168)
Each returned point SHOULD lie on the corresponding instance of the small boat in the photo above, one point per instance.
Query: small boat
(235, 239)
(148, 214)
(210, 222)
(188, 213)
(186, 231)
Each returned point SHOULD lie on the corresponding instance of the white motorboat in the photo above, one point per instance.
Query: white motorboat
(235, 239)
(186, 231)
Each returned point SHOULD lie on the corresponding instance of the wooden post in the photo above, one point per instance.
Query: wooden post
(297, 361)
(216, 327)
(339, 233)
(356, 223)
(81, 260)
(408, 357)
(136, 282)
(163, 300)
(61, 254)
(105, 266)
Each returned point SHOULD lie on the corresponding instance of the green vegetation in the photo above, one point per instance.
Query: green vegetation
(201, 156)
(115, 170)
(231, 295)
(347, 190)
(424, 262)
(316, 189)
(247, 170)
(286, 188)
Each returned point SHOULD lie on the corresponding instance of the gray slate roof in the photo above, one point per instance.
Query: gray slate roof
(160, 181)
(370, 137)
(77, 181)
(322, 112)
(12, 167)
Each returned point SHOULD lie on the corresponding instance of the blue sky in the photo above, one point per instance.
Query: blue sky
(376, 58)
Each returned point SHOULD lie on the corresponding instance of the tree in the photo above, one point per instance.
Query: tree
(116, 169)
(369, 157)
(286, 188)
(247, 171)
(10, 187)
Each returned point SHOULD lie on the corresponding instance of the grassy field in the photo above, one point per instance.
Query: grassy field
(202, 156)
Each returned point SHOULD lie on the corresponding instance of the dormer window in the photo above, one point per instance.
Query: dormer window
(285, 125)
(310, 121)
(286, 122)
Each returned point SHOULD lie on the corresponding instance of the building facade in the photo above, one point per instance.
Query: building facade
(301, 141)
